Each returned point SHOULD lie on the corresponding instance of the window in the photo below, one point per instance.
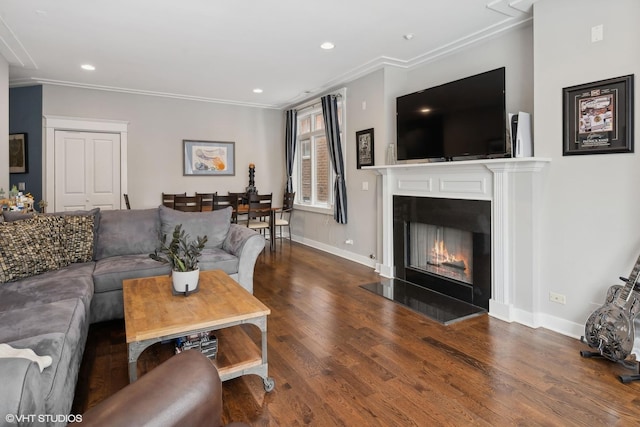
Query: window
(313, 175)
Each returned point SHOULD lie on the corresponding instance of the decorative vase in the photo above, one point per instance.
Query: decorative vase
(185, 282)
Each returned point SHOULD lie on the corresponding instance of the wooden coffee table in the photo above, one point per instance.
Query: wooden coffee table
(153, 314)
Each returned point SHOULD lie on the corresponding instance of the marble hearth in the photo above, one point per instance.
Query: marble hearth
(513, 186)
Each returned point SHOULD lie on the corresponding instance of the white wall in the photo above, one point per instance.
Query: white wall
(157, 127)
(513, 50)
(321, 230)
(590, 219)
(4, 124)
(379, 90)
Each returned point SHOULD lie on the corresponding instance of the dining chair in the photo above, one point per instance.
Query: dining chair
(187, 203)
(285, 214)
(259, 213)
(168, 200)
(207, 200)
(126, 201)
(223, 202)
(241, 201)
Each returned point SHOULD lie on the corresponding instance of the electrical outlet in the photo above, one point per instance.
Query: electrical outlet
(559, 298)
(349, 241)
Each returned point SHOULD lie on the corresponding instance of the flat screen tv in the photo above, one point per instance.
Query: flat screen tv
(459, 120)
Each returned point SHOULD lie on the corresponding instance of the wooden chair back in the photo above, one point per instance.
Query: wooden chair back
(259, 207)
(168, 200)
(187, 203)
(287, 202)
(223, 202)
(207, 200)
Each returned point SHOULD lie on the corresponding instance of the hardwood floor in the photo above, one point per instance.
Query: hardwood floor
(341, 355)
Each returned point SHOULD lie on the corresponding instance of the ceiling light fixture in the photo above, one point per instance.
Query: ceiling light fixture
(408, 36)
(88, 67)
(425, 110)
(327, 46)
(257, 90)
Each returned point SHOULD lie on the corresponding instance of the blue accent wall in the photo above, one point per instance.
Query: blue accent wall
(25, 116)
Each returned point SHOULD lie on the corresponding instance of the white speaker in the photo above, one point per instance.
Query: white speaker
(521, 141)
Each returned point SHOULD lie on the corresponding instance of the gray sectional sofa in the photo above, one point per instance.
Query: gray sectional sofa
(61, 272)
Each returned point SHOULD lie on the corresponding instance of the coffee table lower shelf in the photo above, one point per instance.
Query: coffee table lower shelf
(238, 353)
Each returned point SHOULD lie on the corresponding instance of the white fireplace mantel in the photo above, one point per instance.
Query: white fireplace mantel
(513, 186)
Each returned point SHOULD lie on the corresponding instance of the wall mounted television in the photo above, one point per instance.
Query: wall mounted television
(460, 120)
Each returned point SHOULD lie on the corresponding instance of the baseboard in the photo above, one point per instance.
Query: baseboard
(510, 314)
(360, 259)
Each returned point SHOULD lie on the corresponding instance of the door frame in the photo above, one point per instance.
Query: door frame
(51, 124)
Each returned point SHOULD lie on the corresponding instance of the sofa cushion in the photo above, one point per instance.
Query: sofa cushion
(110, 272)
(127, 232)
(214, 224)
(77, 246)
(80, 234)
(71, 282)
(218, 259)
(28, 248)
(58, 329)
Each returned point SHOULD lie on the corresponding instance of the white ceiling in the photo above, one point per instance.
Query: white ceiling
(219, 51)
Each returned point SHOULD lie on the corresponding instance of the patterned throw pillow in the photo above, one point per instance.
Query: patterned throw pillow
(27, 248)
(79, 237)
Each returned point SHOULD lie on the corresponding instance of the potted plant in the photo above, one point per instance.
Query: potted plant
(182, 254)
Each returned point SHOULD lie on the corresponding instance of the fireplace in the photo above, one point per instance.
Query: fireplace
(444, 245)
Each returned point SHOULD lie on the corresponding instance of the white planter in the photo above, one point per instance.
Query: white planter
(183, 278)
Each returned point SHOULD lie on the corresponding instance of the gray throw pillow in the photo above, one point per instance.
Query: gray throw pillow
(214, 224)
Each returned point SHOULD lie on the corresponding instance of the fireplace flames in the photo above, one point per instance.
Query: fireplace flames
(440, 257)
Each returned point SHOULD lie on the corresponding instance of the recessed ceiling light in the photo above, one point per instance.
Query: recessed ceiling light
(425, 110)
(257, 90)
(88, 67)
(327, 46)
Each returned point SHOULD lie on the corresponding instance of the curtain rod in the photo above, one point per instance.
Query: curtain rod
(314, 103)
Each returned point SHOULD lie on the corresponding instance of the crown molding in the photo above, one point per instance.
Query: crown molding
(12, 49)
(517, 13)
(507, 24)
(41, 81)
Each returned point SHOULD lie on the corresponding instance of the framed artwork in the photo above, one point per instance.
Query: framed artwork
(364, 147)
(209, 158)
(598, 117)
(18, 153)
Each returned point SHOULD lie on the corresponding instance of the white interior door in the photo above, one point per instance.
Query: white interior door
(87, 170)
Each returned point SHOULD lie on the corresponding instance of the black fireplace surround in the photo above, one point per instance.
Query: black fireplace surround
(468, 215)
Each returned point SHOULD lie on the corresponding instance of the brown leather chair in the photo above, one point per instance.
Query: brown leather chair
(183, 391)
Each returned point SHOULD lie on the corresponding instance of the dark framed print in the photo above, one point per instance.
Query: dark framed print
(364, 147)
(18, 153)
(598, 117)
(209, 157)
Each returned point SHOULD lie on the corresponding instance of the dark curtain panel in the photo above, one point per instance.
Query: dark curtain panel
(332, 129)
(290, 145)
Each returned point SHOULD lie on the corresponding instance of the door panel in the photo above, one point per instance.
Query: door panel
(87, 170)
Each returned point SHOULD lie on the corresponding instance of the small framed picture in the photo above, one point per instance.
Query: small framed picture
(18, 153)
(598, 117)
(209, 158)
(364, 147)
